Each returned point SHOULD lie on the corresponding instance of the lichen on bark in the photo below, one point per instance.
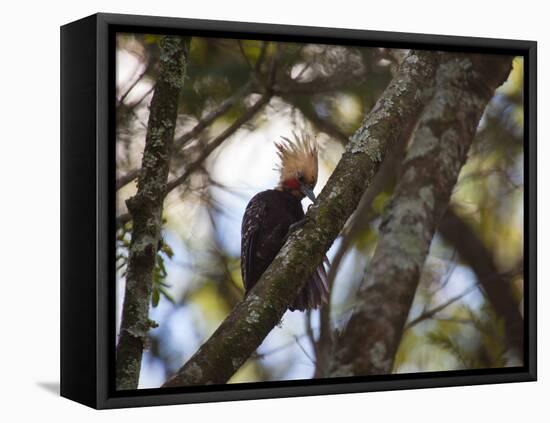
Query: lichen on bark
(252, 319)
(464, 85)
(146, 207)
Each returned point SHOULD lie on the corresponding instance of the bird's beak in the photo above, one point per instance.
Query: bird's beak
(308, 192)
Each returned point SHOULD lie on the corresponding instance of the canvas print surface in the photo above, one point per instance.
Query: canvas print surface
(295, 211)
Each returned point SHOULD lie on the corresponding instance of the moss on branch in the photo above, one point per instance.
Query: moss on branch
(146, 211)
(253, 318)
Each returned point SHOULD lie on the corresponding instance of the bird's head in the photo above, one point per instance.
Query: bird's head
(298, 166)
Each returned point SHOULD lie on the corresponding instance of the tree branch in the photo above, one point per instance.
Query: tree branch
(465, 84)
(120, 101)
(496, 285)
(210, 147)
(216, 142)
(323, 125)
(253, 318)
(146, 210)
(196, 130)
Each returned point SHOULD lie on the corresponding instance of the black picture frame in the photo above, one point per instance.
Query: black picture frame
(88, 219)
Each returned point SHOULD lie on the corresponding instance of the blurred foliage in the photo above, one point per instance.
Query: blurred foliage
(327, 90)
(484, 348)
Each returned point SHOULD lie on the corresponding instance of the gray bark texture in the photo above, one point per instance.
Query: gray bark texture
(146, 211)
(464, 86)
(252, 319)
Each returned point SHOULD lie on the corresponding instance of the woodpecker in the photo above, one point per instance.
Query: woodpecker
(270, 216)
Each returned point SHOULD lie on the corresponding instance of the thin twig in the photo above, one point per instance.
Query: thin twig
(132, 85)
(310, 334)
(261, 57)
(261, 356)
(304, 350)
(428, 314)
(245, 57)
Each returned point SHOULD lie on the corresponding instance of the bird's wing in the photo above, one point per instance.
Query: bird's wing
(251, 226)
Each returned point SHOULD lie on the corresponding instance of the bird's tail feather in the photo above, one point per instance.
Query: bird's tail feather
(315, 292)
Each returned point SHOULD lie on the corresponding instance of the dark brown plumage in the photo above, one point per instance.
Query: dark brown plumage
(270, 214)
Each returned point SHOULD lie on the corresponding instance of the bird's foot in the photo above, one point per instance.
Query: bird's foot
(294, 227)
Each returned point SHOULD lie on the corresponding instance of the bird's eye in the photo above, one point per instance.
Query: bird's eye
(300, 177)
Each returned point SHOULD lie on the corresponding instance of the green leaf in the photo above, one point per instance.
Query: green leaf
(155, 297)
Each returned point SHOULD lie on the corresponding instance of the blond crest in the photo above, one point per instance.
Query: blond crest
(297, 157)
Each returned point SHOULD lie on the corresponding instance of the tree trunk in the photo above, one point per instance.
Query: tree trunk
(252, 319)
(465, 84)
(145, 209)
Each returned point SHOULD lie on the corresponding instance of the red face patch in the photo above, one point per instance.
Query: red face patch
(292, 184)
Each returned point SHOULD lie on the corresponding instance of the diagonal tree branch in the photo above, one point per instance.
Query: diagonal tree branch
(210, 147)
(196, 130)
(323, 125)
(146, 210)
(216, 142)
(465, 84)
(497, 286)
(120, 101)
(253, 318)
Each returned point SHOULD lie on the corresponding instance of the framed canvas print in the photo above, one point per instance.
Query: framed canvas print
(255, 211)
